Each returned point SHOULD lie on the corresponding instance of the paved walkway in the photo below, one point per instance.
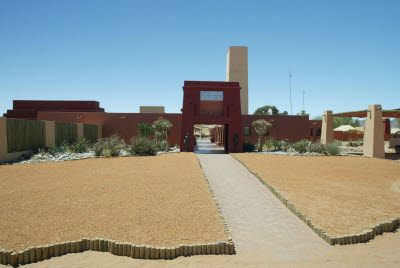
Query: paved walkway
(204, 146)
(258, 221)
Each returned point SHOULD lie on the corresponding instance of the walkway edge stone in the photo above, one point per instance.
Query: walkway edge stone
(363, 237)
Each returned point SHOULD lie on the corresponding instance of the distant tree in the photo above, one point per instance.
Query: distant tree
(284, 113)
(340, 121)
(261, 127)
(161, 127)
(303, 113)
(265, 109)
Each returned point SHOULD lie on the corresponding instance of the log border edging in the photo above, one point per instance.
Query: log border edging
(362, 237)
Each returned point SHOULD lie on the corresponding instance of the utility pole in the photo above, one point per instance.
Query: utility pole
(303, 99)
(290, 91)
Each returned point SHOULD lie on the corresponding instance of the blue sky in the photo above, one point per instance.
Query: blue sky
(344, 54)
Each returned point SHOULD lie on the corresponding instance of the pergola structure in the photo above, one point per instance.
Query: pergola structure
(373, 134)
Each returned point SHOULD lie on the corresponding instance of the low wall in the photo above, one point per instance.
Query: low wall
(49, 139)
(346, 136)
(124, 125)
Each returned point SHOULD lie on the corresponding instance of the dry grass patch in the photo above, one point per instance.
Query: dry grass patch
(341, 195)
(160, 201)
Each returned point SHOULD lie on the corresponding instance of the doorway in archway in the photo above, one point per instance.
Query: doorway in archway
(210, 139)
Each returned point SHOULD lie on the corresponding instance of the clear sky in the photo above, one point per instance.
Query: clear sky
(344, 54)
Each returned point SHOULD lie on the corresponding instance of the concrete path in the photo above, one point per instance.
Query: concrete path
(204, 146)
(258, 221)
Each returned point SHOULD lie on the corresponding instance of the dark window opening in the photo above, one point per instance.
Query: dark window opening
(246, 131)
(318, 132)
(311, 132)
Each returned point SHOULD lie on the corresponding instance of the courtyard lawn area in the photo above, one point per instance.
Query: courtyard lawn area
(342, 195)
(159, 201)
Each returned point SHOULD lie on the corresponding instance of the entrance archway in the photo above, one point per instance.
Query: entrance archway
(216, 103)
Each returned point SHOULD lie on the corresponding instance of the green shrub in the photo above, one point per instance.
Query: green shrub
(301, 146)
(161, 145)
(113, 144)
(145, 130)
(277, 145)
(80, 146)
(318, 147)
(142, 146)
(106, 153)
(62, 148)
(248, 147)
(333, 148)
(269, 145)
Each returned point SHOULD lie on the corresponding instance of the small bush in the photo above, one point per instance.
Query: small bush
(318, 147)
(55, 149)
(269, 145)
(80, 146)
(145, 130)
(248, 147)
(142, 146)
(114, 144)
(106, 153)
(301, 146)
(333, 149)
(161, 145)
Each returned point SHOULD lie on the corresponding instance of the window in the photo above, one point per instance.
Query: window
(211, 95)
(311, 132)
(318, 132)
(246, 131)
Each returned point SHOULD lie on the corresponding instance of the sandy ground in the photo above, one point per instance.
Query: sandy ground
(342, 195)
(160, 201)
(383, 251)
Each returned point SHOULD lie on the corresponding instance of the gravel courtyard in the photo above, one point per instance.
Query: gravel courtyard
(160, 201)
(342, 195)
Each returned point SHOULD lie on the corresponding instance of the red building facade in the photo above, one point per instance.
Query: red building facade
(216, 103)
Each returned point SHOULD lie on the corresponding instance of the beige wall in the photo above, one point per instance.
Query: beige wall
(152, 109)
(50, 133)
(237, 71)
(327, 134)
(373, 134)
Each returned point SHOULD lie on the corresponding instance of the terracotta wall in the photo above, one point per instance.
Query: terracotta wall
(284, 127)
(345, 136)
(122, 124)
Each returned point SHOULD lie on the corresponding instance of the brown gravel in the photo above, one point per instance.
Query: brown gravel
(160, 201)
(342, 195)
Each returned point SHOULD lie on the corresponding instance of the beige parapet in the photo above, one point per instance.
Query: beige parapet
(152, 109)
(327, 128)
(373, 134)
(50, 133)
(79, 127)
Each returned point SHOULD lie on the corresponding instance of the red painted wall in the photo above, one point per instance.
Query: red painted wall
(231, 111)
(124, 125)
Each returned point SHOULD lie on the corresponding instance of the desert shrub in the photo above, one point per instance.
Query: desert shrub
(248, 147)
(55, 149)
(301, 146)
(161, 128)
(161, 145)
(318, 147)
(114, 144)
(269, 145)
(277, 145)
(145, 130)
(80, 146)
(333, 148)
(355, 143)
(261, 127)
(106, 153)
(142, 146)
